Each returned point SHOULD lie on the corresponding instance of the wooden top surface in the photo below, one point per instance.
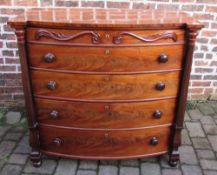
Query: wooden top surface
(102, 18)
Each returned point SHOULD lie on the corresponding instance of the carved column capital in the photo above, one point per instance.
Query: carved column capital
(20, 35)
(192, 35)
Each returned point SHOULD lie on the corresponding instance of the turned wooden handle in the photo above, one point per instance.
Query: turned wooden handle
(160, 86)
(157, 114)
(54, 114)
(154, 141)
(51, 85)
(49, 57)
(163, 58)
(57, 142)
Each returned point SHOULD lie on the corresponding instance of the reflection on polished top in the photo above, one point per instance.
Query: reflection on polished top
(76, 17)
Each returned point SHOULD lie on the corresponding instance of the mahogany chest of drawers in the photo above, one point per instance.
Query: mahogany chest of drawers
(105, 84)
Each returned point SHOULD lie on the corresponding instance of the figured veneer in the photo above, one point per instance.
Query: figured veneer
(105, 115)
(104, 144)
(105, 87)
(95, 59)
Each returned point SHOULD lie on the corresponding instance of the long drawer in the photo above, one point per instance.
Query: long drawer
(100, 144)
(104, 87)
(97, 37)
(106, 59)
(105, 115)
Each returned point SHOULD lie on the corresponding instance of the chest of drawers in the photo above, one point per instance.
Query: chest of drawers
(105, 84)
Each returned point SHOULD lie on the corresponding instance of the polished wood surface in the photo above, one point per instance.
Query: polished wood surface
(105, 83)
(99, 37)
(106, 59)
(104, 144)
(105, 115)
(102, 18)
(104, 87)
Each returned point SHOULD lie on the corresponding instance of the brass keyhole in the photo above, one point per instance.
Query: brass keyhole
(107, 36)
(107, 108)
(107, 51)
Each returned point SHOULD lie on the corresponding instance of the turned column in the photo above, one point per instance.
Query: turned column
(191, 35)
(35, 154)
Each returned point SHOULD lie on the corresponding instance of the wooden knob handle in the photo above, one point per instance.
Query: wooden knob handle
(51, 85)
(163, 58)
(157, 114)
(54, 114)
(160, 86)
(154, 141)
(49, 57)
(57, 142)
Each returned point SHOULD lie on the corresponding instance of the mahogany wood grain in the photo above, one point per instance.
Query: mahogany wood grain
(105, 18)
(86, 89)
(34, 142)
(104, 115)
(104, 87)
(103, 36)
(183, 90)
(104, 144)
(106, 59)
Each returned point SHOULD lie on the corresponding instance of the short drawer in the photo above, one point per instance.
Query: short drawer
(105, 115)
(106, 59)
(97, 37)
(104, 87)
(104, 144)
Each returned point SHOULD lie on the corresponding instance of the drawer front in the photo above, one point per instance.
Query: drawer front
(98, 37)
(104, 144)
(106, 59)
(105, 115)
(104, 87)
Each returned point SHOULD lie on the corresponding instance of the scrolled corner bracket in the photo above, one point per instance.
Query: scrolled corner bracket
(62, 37)
(152, 38)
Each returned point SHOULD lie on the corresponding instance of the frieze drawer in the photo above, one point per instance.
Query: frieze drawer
(98, 37)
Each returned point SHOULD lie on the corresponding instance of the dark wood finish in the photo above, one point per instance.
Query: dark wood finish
(104, 144)
(34, 141)
(105, 87)
(91, 59)
(179, 119)
(105, 84)
(105, 115)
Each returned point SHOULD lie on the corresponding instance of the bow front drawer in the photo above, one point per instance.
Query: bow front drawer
(105, 115)
(104, 87)
(104, 144)
(99, 37)
(106, 59)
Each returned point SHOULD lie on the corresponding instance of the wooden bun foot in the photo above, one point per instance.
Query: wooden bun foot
(35, 157)
(174, 158)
